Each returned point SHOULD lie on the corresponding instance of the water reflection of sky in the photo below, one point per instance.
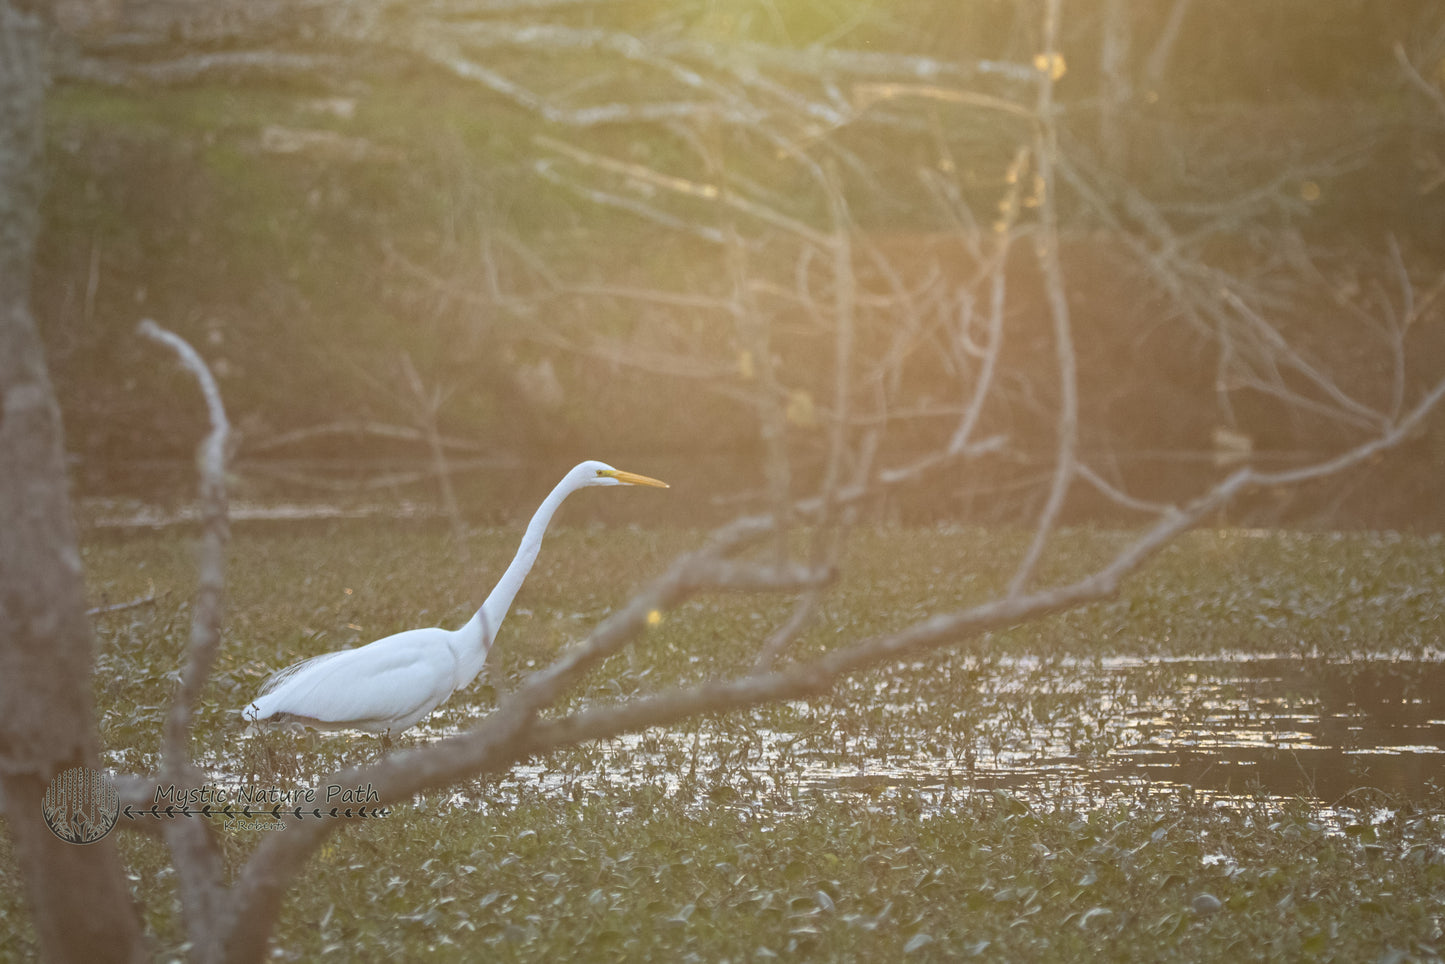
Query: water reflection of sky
(1225, 728)
(1231, 726)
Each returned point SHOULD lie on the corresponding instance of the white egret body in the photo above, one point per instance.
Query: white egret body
(395, 682)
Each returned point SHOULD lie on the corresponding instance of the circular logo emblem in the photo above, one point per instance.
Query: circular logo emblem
(80, 805)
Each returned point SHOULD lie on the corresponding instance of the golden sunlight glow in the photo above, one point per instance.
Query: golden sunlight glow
(745, 366)
(801, 411)
(1053, 65)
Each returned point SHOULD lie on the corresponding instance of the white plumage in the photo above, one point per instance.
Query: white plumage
(396, 682)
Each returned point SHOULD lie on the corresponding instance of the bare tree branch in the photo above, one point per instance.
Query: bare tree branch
(1118, 496)
(146, 600)
(355, 428)
(815, 677)
(206, 618)
(426, 408)
(197, 858)
(1412, 73)
(711, 193)
(791, 288)
(1157, 63)
(1046, 249)
(194, 68)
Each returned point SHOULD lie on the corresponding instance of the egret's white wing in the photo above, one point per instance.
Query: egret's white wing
(377, 686)
(279, 678)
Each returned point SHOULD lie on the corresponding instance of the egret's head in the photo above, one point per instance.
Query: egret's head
(600, 473)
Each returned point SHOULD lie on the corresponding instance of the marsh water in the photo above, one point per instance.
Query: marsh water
(1229, 726)
(1327, 732)
(1239, 724)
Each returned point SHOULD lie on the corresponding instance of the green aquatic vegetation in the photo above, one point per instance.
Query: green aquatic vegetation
(1082, 688)
(639, 875)
(916, 812)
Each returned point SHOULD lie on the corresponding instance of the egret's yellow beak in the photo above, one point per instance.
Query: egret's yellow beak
(631, 478)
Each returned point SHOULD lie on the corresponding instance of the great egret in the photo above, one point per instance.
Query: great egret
(395, 682)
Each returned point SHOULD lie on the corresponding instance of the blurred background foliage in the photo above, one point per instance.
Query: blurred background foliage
(361, 235)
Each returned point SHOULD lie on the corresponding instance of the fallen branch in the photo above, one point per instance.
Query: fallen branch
(356, 427)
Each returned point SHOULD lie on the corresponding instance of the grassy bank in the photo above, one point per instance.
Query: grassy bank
(693, 844)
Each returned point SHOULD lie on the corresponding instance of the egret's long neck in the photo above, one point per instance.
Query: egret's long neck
(481, 630)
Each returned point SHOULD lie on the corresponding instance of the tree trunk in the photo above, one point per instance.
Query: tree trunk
(79, 900)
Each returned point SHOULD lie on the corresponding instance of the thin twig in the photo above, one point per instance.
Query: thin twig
(1119, 496)
(1412, 73)
(354, 427)
(211, 577)
(121, 607)
(1046, 249)
(198, 862)
(426, 410)
(715, 193)
(817, 676)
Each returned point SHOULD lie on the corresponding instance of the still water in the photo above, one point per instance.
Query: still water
(1233, 727)
(1228, 726)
